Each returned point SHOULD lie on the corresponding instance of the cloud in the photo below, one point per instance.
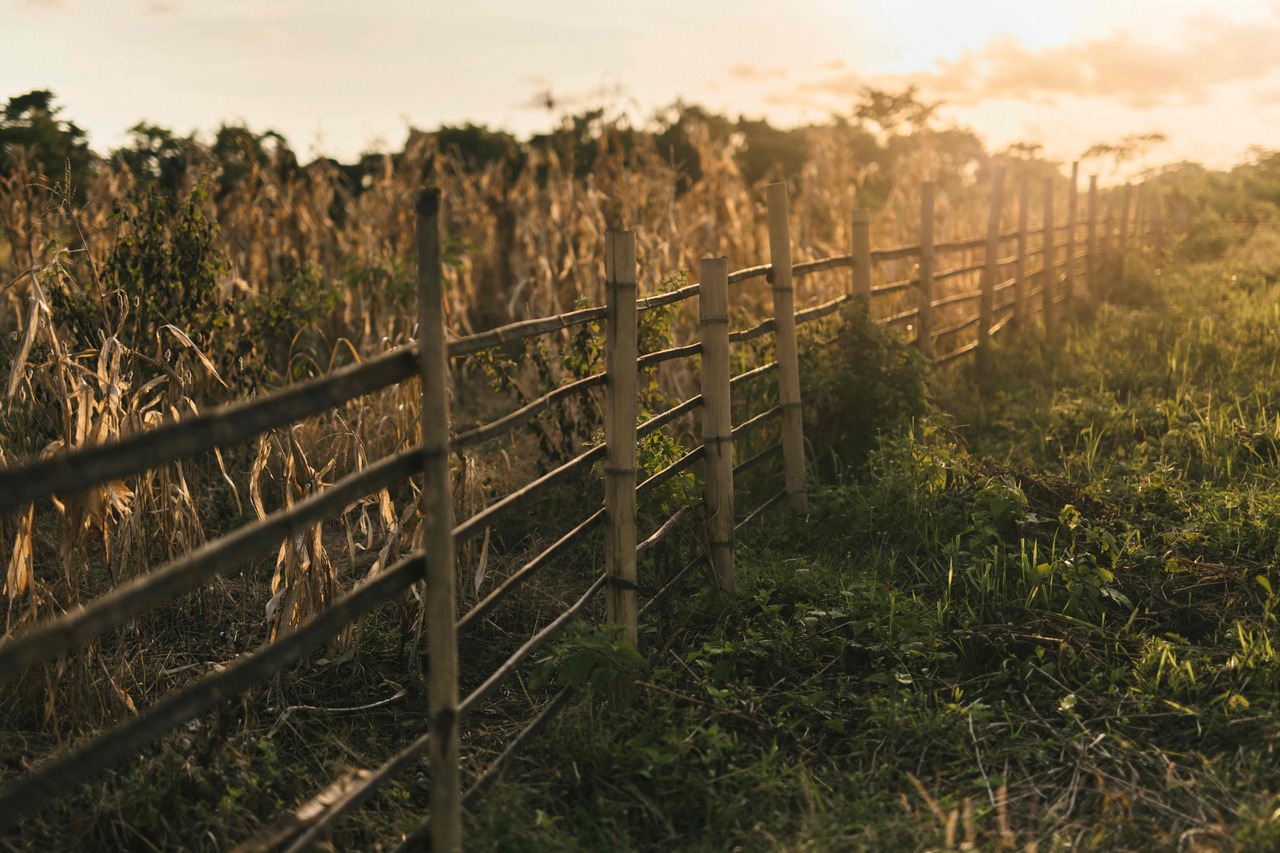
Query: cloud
(161, 7)
(1211, 53)
(745, 72)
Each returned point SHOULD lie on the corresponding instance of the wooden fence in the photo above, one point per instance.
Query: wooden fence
(1007, 293)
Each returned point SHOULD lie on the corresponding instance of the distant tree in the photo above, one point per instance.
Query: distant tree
(240, 152)
(1126, 149)
(30, 128)
(895, 113)
(157, 155)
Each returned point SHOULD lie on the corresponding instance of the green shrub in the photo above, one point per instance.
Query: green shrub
(864, 381)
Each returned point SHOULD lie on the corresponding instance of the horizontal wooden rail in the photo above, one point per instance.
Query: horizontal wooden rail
(961, 245)
(754, 373)
(654, 358)
(966, 323)
(760, 510)
(894, 254)
(528, 570)
(504, 506)
(64, 773)
(509, 422)
(659, 300)
(749, 334)
(131, 599)
(752, 461)
(361, 792)
(665, 529)
(835, 263)
(761, 271)
(684, 463)
(660, 420)
(537, 641)
(65, 473)
(901, 316)
(760, 419)
(894, 287)
(817, 312)
(954, 354)
(957, 298)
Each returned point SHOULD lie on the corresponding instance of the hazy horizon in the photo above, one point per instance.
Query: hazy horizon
(338, 79)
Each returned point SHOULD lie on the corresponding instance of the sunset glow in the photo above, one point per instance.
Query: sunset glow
(339, 78)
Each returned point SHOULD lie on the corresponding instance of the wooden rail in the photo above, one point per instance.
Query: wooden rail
(430, 359)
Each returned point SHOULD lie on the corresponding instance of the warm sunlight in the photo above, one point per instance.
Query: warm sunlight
(338, 78)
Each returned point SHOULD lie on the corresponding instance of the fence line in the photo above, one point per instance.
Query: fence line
(430, 359)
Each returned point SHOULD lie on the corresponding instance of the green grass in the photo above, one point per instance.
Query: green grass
(1044, 613)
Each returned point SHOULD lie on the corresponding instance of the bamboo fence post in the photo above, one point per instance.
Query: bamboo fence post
(784, 314)
(717, 424)
(1047, 287)
(1122, 239)
(986, 302)
(924, 286)
(436, 506)
(1020, 265)
(1157, 223)
(861, 252)
(621, 353)
(1073, 210)
(1091, 241)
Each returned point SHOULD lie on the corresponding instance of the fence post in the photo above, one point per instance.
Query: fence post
(784, 314)
(1122, 239)
(924, 278)
(1020, 265)
(436, 506)
(1157, 223)
(861, 252)
(717, 425)
(1091, 240)
(1047, 284)
(986, 302)
(1073, 210)
(621, 353)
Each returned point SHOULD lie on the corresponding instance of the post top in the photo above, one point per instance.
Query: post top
(427, 201)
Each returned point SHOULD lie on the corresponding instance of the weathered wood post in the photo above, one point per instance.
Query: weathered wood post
(1122, 239)
(1048, 284)
(924, 276)
(991, 272)
(1073, 208)
(717, 425)
(1091, 244)
(1020, 264)
(436, 505)
(621, 353)
(861, 253)
(784, 314)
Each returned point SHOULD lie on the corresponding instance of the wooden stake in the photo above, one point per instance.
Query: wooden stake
(717, 425)
(1157, 223)
(1091, 246)
(784, 314)
(986, 303)
(924, 289)
(1073, 208)
(621, 353)
(861, 251)
(1122, 239)
(1048, 290)
(436, 506)
(1020, 266)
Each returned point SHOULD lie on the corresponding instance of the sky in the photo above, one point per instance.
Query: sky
(339, 78)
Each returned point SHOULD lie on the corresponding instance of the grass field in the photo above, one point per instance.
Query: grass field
(1043, 616)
